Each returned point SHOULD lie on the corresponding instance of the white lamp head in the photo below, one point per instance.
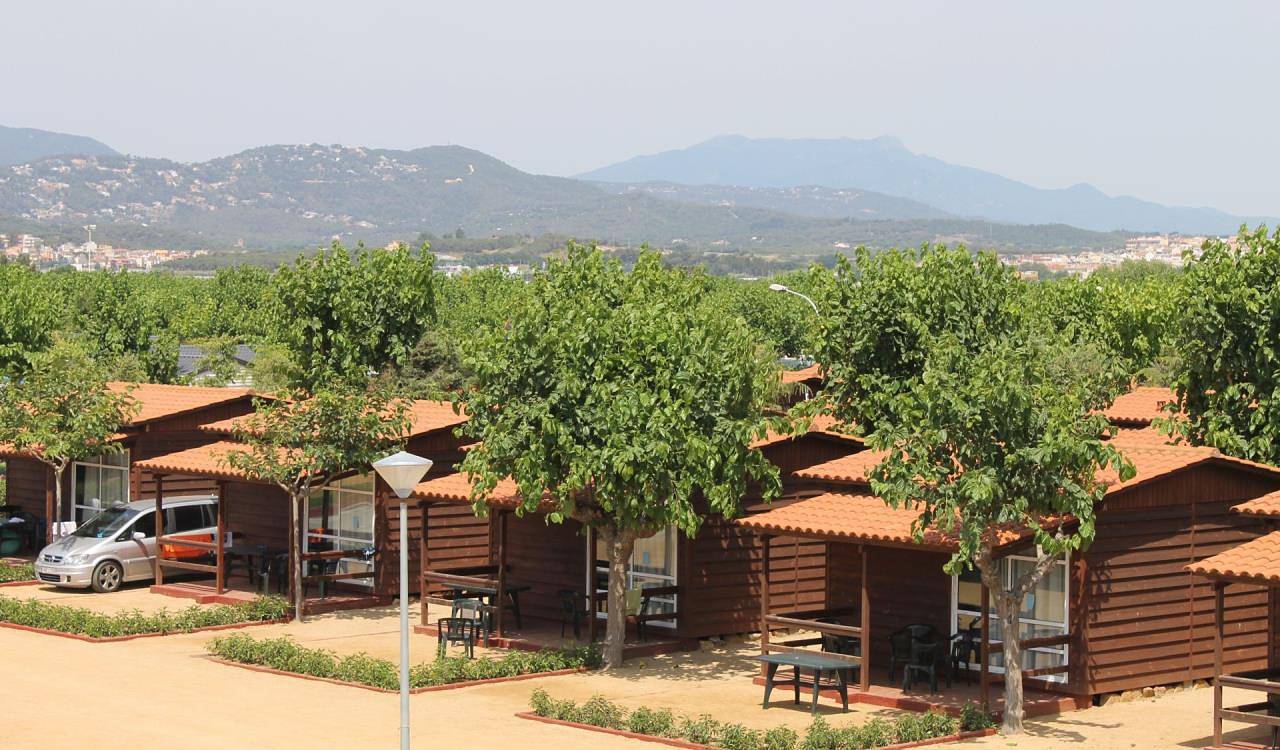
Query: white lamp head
(402, 471)
(777, 288)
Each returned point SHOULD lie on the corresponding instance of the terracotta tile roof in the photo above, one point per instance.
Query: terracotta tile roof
(1267, 505)
(456, 488)
(854, 516)
(424, 417)
(821, 425)
(161, 401)
(1139, 406)
(1142, 436)
(852, 468)
(811, 372)
(206, 460)
(1255, 561)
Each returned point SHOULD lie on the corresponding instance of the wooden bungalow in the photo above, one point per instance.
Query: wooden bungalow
(168, 418)
(1246, 572)
(350, 535)
(1124, 614)
(693, 588)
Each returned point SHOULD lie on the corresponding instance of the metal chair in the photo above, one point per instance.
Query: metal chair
(451, 630)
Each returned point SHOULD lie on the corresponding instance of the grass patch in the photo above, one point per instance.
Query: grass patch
(11, 573)
(705, 730)
(79, 621)
(286, 655)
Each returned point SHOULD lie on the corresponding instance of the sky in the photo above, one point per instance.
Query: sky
(1169, 101)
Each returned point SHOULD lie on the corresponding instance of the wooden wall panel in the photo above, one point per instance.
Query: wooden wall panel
(548, 557)
(28, 480)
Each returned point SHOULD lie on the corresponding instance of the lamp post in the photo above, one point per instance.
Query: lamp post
(789, 290)
(402, 471)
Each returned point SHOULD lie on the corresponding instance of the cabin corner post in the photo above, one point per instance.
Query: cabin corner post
(50, 478)
(764, 597)
(159, 569)
(502, 573)
(220, 578)
(591, 584)
(424, 561)
(864, 624)
(984, 650)
(1219, 619)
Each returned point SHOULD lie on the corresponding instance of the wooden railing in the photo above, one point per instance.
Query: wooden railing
(808, 621)
(1248, 713)
(332, 555)
(166, 540)
(646, 594)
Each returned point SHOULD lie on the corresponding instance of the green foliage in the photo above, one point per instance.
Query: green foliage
(1228, 337)
(784, 321)
(973, 718)
(654, 722)
(28, 316)
(348, 315)
(77, 620)
(780, 738)
(19, 572)
(600, 712)
(738, 737)
(702, 729)
(286, 655)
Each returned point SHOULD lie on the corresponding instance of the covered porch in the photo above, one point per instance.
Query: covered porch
(890, 609)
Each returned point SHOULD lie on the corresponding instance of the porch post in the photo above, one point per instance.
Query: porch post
(591, 584)
(424, 562)
(1219, 589)
(864, 669)
(984, 650)
(159, 528)
(764, 599)
(502, 572)
(219, 578)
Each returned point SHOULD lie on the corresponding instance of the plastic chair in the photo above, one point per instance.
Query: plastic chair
(475, 611)
(635, 608)
(572, 610)
(923, 662)
(456, 630)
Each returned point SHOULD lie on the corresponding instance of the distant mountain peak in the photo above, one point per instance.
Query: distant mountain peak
(22, 145)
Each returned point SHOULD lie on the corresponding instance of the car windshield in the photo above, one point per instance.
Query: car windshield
(106, 523)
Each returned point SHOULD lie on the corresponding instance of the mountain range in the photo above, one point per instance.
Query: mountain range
(885, 165)
(21, 145)
(293, 196)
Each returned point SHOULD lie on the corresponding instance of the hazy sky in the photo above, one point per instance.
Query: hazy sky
(1171, 101)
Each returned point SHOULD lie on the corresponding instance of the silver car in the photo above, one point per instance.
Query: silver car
(118, 544)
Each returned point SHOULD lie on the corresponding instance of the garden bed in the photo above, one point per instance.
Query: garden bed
(17, 575)
(664, 727)
(35, 616)
(285, 657)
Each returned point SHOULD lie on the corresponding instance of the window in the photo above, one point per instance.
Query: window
(97, 483)
(1045, 611)
(341, 517)
(146, 523)
(652, 565)
(186, 518)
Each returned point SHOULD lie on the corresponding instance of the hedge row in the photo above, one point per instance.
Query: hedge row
(704, 730)
(10, 573)
(287, 656)
(76, 620)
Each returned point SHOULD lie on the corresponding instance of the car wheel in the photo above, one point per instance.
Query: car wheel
(107, 576)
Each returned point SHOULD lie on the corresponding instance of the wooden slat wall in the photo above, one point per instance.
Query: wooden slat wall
(256, 513)
(1145, 620)
(548, 557)
(28, 480)
(456, 537)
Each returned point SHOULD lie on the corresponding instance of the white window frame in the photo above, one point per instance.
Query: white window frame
(336, 539)
(100, 466)
(636, 579)
(1006, 570)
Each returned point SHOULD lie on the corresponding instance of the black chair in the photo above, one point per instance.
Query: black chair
(475, 611)
(450, 630)
(900, 642)
(572, 611)
(922, 662)
(966, 650)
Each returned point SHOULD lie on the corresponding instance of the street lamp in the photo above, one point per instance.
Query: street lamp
(789, 290)
(402, 471)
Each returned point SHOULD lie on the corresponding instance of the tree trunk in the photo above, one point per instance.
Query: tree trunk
(57, 497)
(295, 554)
(620, 545)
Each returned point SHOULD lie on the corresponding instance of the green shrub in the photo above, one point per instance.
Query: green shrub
(738, 737)
(701, 730)
(540, 703)
(781, 738)
(877, 732)
(38, 614)
(23, 572)
(821, 736)
(600, 712)
(653, 722)
(973, 718)
(287, 656)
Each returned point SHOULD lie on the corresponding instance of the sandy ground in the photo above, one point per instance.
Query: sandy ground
(161, 692)
(131, 596)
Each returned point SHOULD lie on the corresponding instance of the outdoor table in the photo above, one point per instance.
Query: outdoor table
(489, 593)
(815, 662)
(238, 550)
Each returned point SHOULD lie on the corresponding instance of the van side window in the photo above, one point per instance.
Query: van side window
(146, 523)
(186, 518)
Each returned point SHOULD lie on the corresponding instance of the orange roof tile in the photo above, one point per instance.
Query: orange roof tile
(812, 372)
(1142, 437)
(852, 468)
(206, 461)
(456, 488)
(1267, 505)
(855, 517)
(424, 417)
(1139, 406)
(160, 401)
(821, 425)
(1255, 561)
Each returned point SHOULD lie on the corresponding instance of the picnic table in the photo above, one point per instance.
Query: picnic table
(489, 593)
(240, 553)
(817, 663)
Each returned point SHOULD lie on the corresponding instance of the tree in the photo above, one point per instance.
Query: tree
(347, 316)
(989, 428)
(60, 410)
(28, 315)
(623, 400)
(1228, 343)
(300, 441)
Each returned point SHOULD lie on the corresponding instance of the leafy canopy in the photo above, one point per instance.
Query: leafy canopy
(1227, 379)
(28, 316)
(623, 396)
(61, 410)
